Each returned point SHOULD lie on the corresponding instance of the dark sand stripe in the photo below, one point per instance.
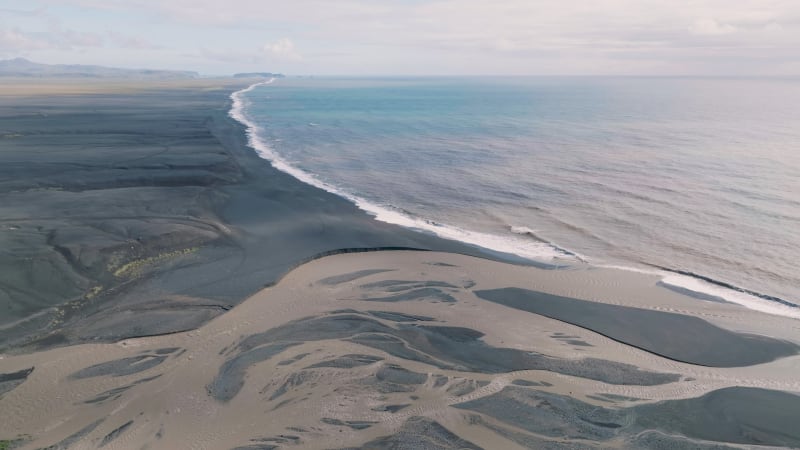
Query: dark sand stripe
(674, 336)
(735, 415)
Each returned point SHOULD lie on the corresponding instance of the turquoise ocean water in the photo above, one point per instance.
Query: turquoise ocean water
(697, 175)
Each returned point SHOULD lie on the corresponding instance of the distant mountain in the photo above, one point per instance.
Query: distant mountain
(21, 67)
(258, 75)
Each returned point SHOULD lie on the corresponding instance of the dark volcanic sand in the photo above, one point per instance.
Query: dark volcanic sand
(145, 213)
(732, 415)
(449, 348)
(675, 336)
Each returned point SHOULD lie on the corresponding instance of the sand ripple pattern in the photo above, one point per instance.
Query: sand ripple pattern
(429, 349)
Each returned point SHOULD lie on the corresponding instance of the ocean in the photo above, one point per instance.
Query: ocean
(697, 176)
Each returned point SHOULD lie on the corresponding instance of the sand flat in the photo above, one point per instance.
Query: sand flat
(321, 364)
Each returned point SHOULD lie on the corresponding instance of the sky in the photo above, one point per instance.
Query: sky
(412, 37)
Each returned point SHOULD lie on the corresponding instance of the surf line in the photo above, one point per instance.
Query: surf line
(525, 248)
(726, 285)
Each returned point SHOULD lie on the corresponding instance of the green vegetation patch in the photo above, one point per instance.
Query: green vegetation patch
(136, 266)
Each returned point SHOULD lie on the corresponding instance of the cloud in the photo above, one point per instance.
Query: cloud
(283, 49)
(131, 42)
(710, 27)
(38, 12)
(449, 36)
(12, 40)
(226, 55)
(16, 40)
(71, 39)
(280, 50)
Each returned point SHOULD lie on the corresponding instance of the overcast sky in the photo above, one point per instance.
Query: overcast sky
(402, 37)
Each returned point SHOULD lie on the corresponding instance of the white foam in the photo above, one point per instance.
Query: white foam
(237, 109)
(522, 230)
(641, 270)
(525, 248)
(564, 253)
(741, 298)
(517, 246)
(703, 287)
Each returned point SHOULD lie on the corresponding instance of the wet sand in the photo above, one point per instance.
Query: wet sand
(328, 358)
(674, 336)
(163, 287)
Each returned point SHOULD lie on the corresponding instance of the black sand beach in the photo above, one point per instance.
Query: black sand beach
(164, 287)
(142, 212)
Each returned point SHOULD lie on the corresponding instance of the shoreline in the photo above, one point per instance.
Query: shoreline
(240, 308)
(701, 285)
(387, 214)
(157, 216)
(171, 248)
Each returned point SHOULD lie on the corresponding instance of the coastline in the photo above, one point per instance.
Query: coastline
(243, 308)
(155, 217)
(543, 252)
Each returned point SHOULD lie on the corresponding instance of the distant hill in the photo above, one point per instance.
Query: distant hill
(21, 67)
(258, 75)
